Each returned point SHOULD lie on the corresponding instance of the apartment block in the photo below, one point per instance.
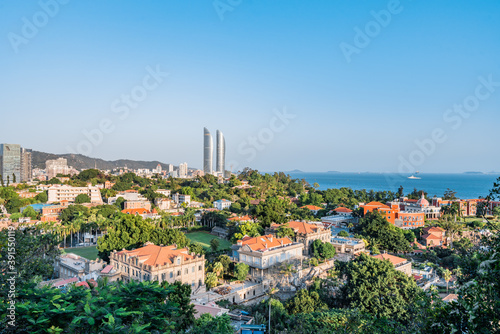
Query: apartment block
(58, 193)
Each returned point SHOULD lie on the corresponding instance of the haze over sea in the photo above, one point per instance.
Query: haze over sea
(466, 185)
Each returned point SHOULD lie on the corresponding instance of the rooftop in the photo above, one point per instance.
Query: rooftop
(154, 255)
(264, 242)
(393, 259)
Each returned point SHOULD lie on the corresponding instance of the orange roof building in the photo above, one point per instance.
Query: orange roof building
(262, 252)
(160, 263)
(312, 208)
(139, 211)
(305, 233)
(399, 263)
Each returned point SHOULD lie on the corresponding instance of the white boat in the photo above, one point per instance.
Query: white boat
(413, 177)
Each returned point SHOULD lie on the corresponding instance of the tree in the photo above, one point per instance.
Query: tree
(285, 231)
(241, 271)
(196, 248)
(382, 233)
(82, 198)
(34, 255)
(273, 210)
(211, 280)
(214, 244)
(305, 302)
(343, 234)
(446, 274)
(376, 287)
(42, 197)
(251, 229)
(181, 296)
(449, 195)
(134, 307)
(409, 235)
(207, 324)
(218, 268)
(30, 212)
(13, 178)
(322, 250)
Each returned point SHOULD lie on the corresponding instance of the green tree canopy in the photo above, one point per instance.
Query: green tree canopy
(82, 198)
(376, 287)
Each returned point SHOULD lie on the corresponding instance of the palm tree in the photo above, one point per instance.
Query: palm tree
(218, 268)
(450, 226)
(446, 276)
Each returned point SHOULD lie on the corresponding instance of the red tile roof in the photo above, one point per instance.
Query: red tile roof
(343, 210)
(66, 281)
(107, 269)
(311, 207)
(241, 219)
(378, 205)
(265, 242)
(299, 227)
(157, 255)
(395, 260)
(139, 211)
(430, 236)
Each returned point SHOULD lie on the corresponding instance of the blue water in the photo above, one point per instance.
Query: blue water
(466, 185)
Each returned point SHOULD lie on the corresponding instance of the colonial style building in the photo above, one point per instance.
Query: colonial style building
(260, 253)
(433, 236)
(305, 233)
(160, 263)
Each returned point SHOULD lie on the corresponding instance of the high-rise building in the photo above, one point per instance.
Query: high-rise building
(56, 166)
(208, 152)
(10, 162)
(221, 153)
(183, 170)
(26, 174)
(170, 168)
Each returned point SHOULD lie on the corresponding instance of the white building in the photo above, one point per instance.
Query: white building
(180, 198)
(183, 170)
(222, 204)
(58, 193)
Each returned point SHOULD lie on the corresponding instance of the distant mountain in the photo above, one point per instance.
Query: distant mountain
(475, 173)
(294, 171)
(333, 171)
(80, 162)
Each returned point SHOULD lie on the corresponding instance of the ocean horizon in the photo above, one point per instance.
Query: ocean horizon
(466, 185)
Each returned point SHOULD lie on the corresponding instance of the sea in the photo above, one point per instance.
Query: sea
(466, 185)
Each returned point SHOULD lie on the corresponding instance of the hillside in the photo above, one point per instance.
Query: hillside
(80, 162)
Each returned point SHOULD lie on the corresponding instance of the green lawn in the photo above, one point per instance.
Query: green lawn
(204, 239)
(86, 252)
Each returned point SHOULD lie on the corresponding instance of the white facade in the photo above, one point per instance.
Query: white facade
(222, 204)
(60, 193)
(183, 170)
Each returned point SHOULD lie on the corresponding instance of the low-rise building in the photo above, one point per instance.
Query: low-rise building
(262, 252)
(181, 198)
(222, 204)
(313, 208)
(433, 236)
(399, 263)
(137, 204)
(305, 233)
(344, 245)
(71, 265)
(58, 193)
(160, 263)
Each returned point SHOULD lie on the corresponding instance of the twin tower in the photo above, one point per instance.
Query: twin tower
(208, 153)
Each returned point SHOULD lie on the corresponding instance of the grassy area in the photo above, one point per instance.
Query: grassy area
(204, 239)
(86, 252)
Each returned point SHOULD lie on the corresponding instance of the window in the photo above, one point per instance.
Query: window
(192, 269)
(199, 268)
(178, 261)
(171, 274)
(187, 271)
(179, 273)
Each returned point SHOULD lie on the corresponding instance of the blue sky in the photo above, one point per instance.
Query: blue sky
(364, 113)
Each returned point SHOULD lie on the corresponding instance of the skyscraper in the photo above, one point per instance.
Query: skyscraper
(221, 153)
(25, 165)
(208, 152)
(10, 162)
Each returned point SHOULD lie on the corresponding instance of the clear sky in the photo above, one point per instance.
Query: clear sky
(358, 92)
